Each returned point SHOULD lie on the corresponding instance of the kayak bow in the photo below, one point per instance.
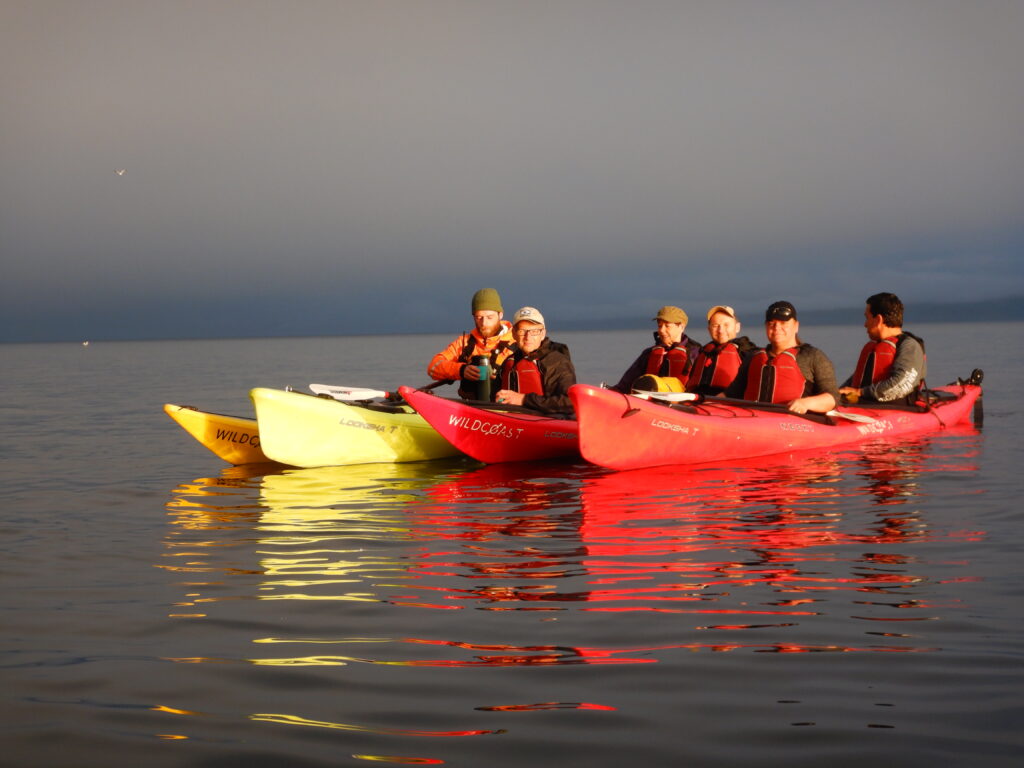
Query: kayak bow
(235, 439)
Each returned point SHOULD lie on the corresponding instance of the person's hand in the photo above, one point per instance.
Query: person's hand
(510, 396)
(852, 394)
(471, 372)
(820, 403)
(800, 405)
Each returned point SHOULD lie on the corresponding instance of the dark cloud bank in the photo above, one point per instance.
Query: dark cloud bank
(350, 167)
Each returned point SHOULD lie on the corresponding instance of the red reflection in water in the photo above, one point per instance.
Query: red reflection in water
(781, 549)
(508, 655)
(546, 705)
(766, 539)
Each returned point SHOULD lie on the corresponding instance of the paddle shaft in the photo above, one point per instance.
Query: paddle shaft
(356, 394)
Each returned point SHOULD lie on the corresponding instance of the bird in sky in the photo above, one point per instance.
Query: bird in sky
(120, 171)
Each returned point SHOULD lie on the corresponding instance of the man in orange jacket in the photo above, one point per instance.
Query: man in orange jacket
(489, 340)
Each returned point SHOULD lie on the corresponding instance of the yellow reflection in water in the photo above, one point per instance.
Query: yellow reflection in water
(319, 526)
(296, 720)
(315, 529)
(372, 487)
(173, 711)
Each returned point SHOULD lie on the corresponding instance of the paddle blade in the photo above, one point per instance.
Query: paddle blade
(858, 417)
(346, 393)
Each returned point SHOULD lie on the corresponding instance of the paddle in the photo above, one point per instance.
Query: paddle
(346, 393)
(677, 397)
(353, 394)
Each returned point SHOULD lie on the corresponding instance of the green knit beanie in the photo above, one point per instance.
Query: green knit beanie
(487, 300)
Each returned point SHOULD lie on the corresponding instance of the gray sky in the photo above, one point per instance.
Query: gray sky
(349, 167)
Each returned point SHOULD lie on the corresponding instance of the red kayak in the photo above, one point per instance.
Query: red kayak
(494, 433)
(625, 432)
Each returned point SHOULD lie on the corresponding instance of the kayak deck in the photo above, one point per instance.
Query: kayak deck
(625, 432)
(496, 434)
(310, 431)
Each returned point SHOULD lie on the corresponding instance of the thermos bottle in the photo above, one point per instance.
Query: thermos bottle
(483, 387)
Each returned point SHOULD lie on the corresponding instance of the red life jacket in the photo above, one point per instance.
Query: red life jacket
(775, 379)
(715, 367)
(678, 362)
(521, 376)
(875, 362)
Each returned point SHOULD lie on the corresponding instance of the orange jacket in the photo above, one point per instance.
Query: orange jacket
(447, 364)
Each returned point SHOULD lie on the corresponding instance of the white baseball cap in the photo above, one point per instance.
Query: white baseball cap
(529, 314)
(722, 308)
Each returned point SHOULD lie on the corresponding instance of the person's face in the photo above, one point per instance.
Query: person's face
(872, 324)
(670, 333)
(781, 333)
(723, 327)
(488, 322)
(528, 335)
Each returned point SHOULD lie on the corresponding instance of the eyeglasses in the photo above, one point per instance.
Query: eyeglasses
(532, 333)
(780, 313)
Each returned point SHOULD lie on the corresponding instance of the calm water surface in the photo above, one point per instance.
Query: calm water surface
(858, 607)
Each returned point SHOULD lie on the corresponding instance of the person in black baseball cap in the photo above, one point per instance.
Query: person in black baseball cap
(780, 310)
(787, 371)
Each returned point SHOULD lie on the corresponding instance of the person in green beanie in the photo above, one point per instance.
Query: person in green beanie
(490, 341)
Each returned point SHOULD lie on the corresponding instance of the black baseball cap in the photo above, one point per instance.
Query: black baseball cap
(780, 310)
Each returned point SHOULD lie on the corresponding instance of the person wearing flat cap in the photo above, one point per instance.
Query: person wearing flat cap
(719, 361)
(672, 355)
(490, 341)
(538, 373)
(787, 371)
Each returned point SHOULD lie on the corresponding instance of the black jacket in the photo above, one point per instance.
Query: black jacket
(557, 375)
(639, 366)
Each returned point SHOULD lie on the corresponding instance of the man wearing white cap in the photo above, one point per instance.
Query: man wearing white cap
(720, 359)
(539, 372)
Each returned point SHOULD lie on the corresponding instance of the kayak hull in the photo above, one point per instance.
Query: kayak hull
(624, 432)
(235, 439)
(493, 435)
(309, 431)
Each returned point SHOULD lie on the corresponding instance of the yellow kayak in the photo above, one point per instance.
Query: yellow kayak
(309, 431)
(233, 438)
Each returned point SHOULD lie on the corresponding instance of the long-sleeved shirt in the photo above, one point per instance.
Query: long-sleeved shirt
(448, 364)
(557, 375)
(818, 372)
(909, 369)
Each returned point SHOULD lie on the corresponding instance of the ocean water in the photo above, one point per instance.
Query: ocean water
(857, 607)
